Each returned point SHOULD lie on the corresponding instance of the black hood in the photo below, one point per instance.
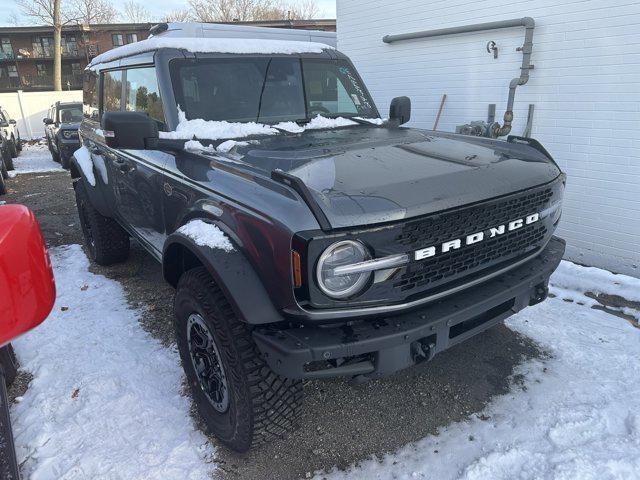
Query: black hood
(69, 126)
(365, 175)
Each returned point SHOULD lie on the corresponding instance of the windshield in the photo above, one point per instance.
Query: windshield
(269, 90)
(70, 114)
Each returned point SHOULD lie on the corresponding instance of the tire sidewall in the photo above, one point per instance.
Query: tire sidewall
(83, 203)
(236, 421)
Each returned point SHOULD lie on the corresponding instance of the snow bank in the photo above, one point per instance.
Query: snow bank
(34, 159)
(206, 235)
(216, 45)
(83, 157)
(579, 417)
(105, 400)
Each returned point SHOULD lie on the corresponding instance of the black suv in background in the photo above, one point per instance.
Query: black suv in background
(321, 241)
(61, 130)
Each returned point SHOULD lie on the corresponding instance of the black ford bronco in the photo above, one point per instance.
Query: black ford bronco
(321, 241)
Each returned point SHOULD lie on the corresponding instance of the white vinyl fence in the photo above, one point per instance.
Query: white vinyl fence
(29, 108)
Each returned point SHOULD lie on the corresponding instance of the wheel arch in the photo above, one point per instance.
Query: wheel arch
(231, 271)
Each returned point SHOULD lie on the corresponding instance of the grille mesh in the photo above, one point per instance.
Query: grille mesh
(456, 264)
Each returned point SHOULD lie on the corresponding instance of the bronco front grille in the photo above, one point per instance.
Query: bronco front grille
(457, 264)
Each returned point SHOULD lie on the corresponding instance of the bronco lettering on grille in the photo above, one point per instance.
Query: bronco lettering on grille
(475, 237)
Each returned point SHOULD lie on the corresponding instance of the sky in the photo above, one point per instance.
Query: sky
(7, 7)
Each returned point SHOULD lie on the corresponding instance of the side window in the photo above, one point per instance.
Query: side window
(142, 93)
(111, 90)
(90, 95)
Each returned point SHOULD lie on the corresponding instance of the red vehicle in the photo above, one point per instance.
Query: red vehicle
(27, 293)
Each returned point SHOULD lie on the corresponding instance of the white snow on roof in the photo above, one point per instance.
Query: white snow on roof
(206, 235)
(106, 399)
(577, 416)
(214, 45)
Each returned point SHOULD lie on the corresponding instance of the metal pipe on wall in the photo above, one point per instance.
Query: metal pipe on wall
(526, 49)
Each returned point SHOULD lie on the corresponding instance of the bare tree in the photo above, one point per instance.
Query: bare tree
(49, 12)
(304, 9)
(136, 12)
(93, 11)
(246, 10)
(178, 16)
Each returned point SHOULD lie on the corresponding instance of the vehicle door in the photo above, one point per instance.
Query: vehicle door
(137, 174)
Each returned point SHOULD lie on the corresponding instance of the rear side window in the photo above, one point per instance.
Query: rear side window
(142, 93)
(90, 95)
(111, 91)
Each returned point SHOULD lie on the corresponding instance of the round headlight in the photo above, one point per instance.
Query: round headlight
(339, 254)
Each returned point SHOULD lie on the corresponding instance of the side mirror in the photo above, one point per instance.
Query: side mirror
(400, 110)
(47, 121)
(26, 280)
(12, 121)
(130, 130)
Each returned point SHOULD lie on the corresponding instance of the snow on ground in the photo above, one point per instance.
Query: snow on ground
(577, 416)
(218, 45)
(33, 159)
(105, 400)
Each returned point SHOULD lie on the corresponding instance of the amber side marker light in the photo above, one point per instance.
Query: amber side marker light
(297, 269)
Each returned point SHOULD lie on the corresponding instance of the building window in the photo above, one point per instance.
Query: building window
(6, 50)
(41, 69)
(76, 68)
(117, 39)
(42, 47)
(69, 46)
(13, 71)
(132, 37)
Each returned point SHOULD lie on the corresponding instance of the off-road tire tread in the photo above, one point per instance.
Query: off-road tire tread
(275, 402)
(111, 240)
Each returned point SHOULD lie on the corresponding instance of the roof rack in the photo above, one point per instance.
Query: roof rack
(217, 30)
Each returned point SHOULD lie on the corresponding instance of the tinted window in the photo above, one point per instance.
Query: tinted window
(268, 90)
(240, 89)
(90, 94)
(333, 87)
(70, 113)
(142, 93)
(111, 91)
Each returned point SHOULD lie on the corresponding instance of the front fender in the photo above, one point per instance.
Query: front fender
(95, 189)
(230, 270)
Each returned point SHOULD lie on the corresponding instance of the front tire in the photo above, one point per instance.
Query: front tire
(65, 161)
(13, 149)
(105, 239)
(3, 175)
(243, 402)
(9, 363)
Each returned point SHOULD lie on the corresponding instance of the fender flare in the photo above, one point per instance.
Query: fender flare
(230, 270)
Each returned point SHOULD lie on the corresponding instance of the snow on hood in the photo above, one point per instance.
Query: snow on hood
(217, 130)
(215, 45)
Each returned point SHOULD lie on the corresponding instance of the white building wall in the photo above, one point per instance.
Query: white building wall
(585, 87)
(30, 108)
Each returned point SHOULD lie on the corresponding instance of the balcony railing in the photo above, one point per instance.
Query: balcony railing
(40, 82)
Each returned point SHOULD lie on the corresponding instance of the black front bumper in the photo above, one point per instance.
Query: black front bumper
(380, 346)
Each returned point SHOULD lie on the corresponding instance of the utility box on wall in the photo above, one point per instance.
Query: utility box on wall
(585, 89)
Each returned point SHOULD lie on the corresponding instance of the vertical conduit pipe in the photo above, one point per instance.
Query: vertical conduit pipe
(527, 22)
